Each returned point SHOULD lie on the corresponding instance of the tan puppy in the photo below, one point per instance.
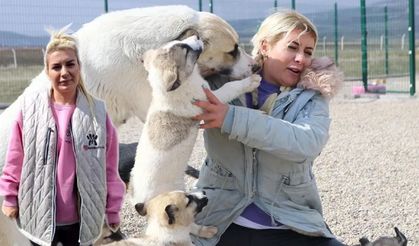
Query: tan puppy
(170, 220)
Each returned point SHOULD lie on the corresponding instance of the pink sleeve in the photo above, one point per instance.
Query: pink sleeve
(115, 186)
(10, 179)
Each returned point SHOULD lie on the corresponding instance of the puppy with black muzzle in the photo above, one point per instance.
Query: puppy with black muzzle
(170, 220)
(399, 240)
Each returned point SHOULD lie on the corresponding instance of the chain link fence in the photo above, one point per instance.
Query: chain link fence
(23, 35)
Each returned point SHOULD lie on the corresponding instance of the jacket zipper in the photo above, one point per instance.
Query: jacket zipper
(46, 145)
(79, 198)
(254, 168)
(284, 180)
(54, 168)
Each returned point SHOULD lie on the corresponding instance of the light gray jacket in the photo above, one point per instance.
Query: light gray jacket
(267, 159)
(37, 189)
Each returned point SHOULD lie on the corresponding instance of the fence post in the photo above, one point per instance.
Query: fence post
(324, 45)
(200, 5)
(106, 6)
(412, 53)
(336, 35)
(386, 40)
(14, 57)
(402, 41)
(211, 6)
(293, 4)
(276, 5)
(364, 45)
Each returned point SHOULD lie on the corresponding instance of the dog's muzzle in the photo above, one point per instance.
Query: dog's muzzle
(200, 199)
(201, 203)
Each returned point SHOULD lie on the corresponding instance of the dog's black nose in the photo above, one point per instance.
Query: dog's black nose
(204, 200)
(201, 203)
(256, 68)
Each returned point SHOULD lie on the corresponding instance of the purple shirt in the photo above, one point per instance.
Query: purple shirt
(264, 90)
(253, 212)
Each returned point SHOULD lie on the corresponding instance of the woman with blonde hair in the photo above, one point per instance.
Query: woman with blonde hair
(258, 174)
(60, 180)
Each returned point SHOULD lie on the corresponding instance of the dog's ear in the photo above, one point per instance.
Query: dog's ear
(170, 77)
(400, 237)
(187, 33)
(170, 211)
(141, 209)
(364, 241)
(146, 59)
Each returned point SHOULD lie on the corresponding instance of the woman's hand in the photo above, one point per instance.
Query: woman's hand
(214, 111)
(11, 212)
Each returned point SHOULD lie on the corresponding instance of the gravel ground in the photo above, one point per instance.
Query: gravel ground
(368, 174)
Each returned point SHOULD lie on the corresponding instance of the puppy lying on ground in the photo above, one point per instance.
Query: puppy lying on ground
(398, 240)
(170, 220)
(169, 133)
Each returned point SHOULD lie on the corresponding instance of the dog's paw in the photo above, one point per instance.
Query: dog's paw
(208, 231)
(254, 82)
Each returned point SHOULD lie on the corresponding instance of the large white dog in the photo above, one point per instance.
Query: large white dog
(111, 49)
(169, 132)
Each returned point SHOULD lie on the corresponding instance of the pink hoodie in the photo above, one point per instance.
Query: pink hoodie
(66, 196)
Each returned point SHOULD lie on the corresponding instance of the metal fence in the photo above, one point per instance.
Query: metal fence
(23, 36)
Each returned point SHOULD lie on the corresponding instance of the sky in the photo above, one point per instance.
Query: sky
(32, 17)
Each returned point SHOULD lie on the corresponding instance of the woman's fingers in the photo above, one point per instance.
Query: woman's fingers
(11, 212)
(214, 111)
(205, 105)
(204, 117)
(211, 97)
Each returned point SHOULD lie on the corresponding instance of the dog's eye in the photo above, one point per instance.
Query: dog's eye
(234, 52)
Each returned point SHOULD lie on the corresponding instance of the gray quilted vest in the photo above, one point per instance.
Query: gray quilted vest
(37, 186)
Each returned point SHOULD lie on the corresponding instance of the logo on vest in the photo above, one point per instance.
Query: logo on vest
(92, 144)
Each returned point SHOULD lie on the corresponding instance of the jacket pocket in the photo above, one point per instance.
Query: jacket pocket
(46, 145)
(305, 194)
(214, 176)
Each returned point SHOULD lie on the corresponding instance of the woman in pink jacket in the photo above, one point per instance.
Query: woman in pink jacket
(60, 180)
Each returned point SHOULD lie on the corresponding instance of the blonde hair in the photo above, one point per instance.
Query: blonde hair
(279, 25)
(61, 40)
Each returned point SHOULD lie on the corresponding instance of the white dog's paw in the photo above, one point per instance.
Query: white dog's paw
(208, 231)
(254, 82)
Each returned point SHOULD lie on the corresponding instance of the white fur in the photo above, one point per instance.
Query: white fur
(159, 232)
(111, 49)
(155, 170)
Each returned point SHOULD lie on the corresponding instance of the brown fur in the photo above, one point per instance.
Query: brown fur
(178, 127)
(323, 76)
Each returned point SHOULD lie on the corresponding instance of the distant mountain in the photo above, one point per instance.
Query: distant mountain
(348, 24)
(12, 39)
(245, 28)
